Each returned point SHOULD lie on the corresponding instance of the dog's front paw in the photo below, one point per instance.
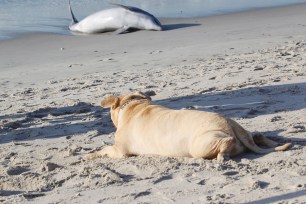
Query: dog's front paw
(222, 157)
(91, 156)
(88, 157)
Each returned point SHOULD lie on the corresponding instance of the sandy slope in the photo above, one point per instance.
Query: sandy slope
(249, 66)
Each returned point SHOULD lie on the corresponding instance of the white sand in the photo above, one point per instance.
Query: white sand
(249, 66)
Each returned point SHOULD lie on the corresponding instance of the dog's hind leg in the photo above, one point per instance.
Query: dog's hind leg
(225, 149)
(215, 144)
(109, 151)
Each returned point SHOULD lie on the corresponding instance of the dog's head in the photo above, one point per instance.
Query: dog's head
(117, 103)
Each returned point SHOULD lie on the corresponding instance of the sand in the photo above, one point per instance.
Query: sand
(249, 66)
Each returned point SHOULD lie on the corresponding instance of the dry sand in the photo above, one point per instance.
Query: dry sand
(249, 66)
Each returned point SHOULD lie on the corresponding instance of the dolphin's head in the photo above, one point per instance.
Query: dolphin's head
(145, 20)
(149, 22)
(156, 24)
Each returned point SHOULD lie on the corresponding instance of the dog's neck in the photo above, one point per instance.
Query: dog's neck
(119, 117)
(127, 103)
(123, 107)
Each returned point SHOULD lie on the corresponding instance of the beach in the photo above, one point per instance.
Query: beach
(249, 66)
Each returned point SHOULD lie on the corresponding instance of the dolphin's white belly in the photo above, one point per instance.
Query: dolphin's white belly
(106, 20)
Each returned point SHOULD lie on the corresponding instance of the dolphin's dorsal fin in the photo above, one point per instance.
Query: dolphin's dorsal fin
(74, 20)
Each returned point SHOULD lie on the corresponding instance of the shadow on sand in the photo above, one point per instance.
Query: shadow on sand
(168, 27)
(282, 197)
(55, 122)
(245, 102)
(82, 117)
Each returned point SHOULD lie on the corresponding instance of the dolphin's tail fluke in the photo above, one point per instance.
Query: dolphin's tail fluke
(74, 20)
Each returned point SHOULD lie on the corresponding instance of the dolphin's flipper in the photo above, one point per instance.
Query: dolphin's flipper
(121, 30)
(74, 20)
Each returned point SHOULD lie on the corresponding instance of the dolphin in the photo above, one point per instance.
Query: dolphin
(120, 19)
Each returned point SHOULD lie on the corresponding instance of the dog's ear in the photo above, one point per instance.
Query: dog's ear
(110, 101)
(142, 95)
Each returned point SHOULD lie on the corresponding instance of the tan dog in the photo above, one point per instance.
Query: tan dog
(144, 128)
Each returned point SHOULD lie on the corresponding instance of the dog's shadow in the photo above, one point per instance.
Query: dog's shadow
(83, 117)
(54, 122)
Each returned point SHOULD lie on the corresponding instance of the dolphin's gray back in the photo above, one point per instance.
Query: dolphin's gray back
(138, 10)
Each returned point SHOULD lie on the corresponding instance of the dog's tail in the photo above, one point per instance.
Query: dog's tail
(74, 20)
(247, 140)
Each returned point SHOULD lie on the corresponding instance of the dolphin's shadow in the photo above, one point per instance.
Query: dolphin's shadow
(178, 26)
